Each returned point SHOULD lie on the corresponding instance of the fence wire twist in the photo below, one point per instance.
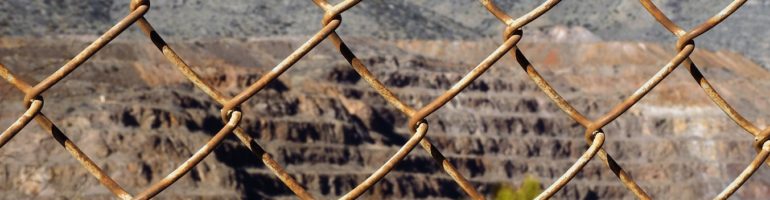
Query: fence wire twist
(231, 113)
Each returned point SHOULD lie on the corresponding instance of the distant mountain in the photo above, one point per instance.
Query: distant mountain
(393, 19)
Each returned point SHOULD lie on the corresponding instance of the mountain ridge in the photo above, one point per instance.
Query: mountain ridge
(393, 19)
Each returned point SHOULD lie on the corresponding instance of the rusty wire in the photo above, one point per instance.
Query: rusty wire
(417, 124)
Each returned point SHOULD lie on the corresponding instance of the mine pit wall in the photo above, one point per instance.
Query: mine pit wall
(138, 118)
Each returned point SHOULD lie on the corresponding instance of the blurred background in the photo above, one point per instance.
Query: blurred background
(135, 114)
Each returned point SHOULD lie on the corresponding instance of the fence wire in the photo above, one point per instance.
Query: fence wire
(513, 33)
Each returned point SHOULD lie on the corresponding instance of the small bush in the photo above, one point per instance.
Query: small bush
(528, 190)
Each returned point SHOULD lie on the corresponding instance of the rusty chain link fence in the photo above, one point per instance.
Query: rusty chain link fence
(231, 114)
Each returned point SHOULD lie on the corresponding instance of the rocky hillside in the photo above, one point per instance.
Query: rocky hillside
(138, 118)
(611, 20)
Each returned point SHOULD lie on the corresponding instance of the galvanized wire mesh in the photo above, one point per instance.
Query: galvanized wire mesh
(231, 113)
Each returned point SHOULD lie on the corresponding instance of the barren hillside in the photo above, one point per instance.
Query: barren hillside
(611, 20)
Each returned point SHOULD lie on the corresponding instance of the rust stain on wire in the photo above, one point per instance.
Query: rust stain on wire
(417, 124)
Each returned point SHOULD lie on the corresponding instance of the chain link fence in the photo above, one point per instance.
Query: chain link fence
(231, 113)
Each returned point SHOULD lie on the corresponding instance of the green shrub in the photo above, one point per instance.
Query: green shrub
(528, 190)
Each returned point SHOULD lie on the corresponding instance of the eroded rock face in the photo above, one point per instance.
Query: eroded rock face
(138, 118)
